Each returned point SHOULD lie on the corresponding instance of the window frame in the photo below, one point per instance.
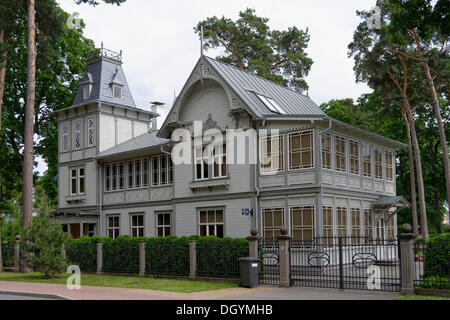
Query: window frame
(90, 132)
(355, 227)
(301, 150)
(87, 94)
(389, 166)
(113, 228)
(340, 154)
(330, 153)
(352, 157)
(163, 226)
(78, 177)
(302, 228)
(272, 228)
(115, 88)
(270, 155)
(368, 229)
(208, 224)
(77, 135)
(118, 177)
(65, 137)
(380, 163)
(163, 158)
(133, 174)
(138, 228)
(366, 147)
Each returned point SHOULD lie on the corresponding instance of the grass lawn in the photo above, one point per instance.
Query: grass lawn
(122, 282)
(417, 297)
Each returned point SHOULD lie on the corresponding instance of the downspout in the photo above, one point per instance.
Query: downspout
(321, 167)
(255, 178)
(99, 170)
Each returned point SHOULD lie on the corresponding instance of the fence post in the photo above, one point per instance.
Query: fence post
(253, 243)
(17, 254)
(407, 259)
(192, 259)
(141, 258)
(284, 257)
(99, 257)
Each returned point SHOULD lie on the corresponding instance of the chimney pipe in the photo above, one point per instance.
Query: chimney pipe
(154, 107)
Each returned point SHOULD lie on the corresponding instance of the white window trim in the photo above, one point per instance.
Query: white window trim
(382, 164)
(311, 149)
(110, 166)
(215, 224)
(89, 88)
(291, 228)
(141, 174)
(79, 132)
(163, 226)
(346, 152)
(158, 171)
(112, 228)
(137, 214)
(65, 137)
(89, 129)
(261, 155)
(392, 165)
(283, 216)
(114, 91)
(371, 160)
(331, 151)
(77, 179)
(350, 157)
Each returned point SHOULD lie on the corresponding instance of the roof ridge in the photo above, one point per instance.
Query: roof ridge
(257, 76)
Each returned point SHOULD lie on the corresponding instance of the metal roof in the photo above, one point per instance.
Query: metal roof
(247, 85)
(390, 201)
(144, 141)
(102, 72)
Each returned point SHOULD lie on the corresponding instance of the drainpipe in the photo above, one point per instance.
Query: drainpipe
(99, 170)
(255, 179)
(321, 167)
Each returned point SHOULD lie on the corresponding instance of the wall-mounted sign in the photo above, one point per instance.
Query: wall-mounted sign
(247, 212)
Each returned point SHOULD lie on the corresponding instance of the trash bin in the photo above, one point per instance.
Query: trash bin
(249, 268)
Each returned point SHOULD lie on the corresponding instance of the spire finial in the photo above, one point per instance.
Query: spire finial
(201, 41)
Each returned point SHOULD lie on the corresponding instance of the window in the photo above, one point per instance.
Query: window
(273, 221)
(77, 134)
(117, 91)
(114, 176)
(327, 213)
(301, 150)
(341, 214)
(380, 230)
(388, 165)
(272, 154)
(211, 222)
(339, 145)
(65, 138)
(326, 151)
(162, 170)
(356, 225)
(368, 223)
(354, 156)
(271, 104)
(163, 224)
(210, 166)
(90, 132)
(113, 227)
(77, 181)
(302, 223)
(378, 164)
(89, 229)
(390, 229)
(87, 91)
(367, 161)
(137, 173)
(137, 225)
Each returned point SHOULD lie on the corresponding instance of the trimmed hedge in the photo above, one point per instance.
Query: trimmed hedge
(437, 256)
(163, 255)
(8, 254)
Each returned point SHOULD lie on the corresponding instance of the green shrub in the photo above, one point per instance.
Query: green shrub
(168, 255)
(121, 255)
(437, 256)
(83, 253)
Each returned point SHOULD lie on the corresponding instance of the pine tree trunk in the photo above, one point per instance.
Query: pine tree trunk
(420, 186)
(2, 77)
(27, 191)
(438, 211)
(412, 180)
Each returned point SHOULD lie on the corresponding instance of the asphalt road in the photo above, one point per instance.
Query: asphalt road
(20, 297)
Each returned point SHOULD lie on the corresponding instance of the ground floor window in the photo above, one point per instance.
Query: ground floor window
(137, 225)
(273, 221)
(380, 229)
(211, 222)
(368, 223)
(113, 227)
(302, 223)
(327, 213)
(341, 215)
(390, 229)
(163, 224)
(89, 229)
(356, 225)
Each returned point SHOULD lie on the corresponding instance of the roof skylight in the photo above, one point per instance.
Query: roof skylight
(271, 104)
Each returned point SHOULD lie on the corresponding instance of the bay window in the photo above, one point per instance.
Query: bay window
(302, 223)
(272, 154)
(301, 150)
(340, 154)
(162, 170)
(354, 156)
(114, 176)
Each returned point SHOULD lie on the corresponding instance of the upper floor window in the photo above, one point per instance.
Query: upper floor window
(65, 138)
(367, 160)
(162, 170)
(138, 173)
(301, 150)
(117, 91)
(210, 166)
(272, 154)
(211, 222)
(77, 181)
(87, 88)
(90, 132)
(326, 151)
(378, 164)
(114, 176)
(77, 134)
(354, 156)
(339, 145)
(388, 159)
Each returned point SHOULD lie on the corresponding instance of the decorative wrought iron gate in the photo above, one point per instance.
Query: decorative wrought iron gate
(346, 263)
(269, 273)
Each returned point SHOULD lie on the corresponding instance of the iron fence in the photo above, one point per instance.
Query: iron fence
(167, 257)
(220, 258)
(432, 265)
(345, 263)
(8, 255)
(270, 261)
(121, 257)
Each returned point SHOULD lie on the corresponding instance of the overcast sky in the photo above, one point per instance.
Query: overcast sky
(160, 48)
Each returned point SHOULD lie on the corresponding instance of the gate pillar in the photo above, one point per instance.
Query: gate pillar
(407, 259)
(284, 256)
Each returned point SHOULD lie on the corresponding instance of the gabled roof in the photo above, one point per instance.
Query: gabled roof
(247, 85)
(384, 202)
(102, 72)
(144, 141)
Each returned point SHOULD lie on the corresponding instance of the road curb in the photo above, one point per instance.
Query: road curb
(36, 295)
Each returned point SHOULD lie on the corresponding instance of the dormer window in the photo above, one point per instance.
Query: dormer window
(87, 88)
(117, 91)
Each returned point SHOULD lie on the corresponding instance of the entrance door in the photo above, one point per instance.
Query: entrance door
(75, 230)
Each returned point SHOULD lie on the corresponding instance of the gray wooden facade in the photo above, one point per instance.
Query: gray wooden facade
(110, 139)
